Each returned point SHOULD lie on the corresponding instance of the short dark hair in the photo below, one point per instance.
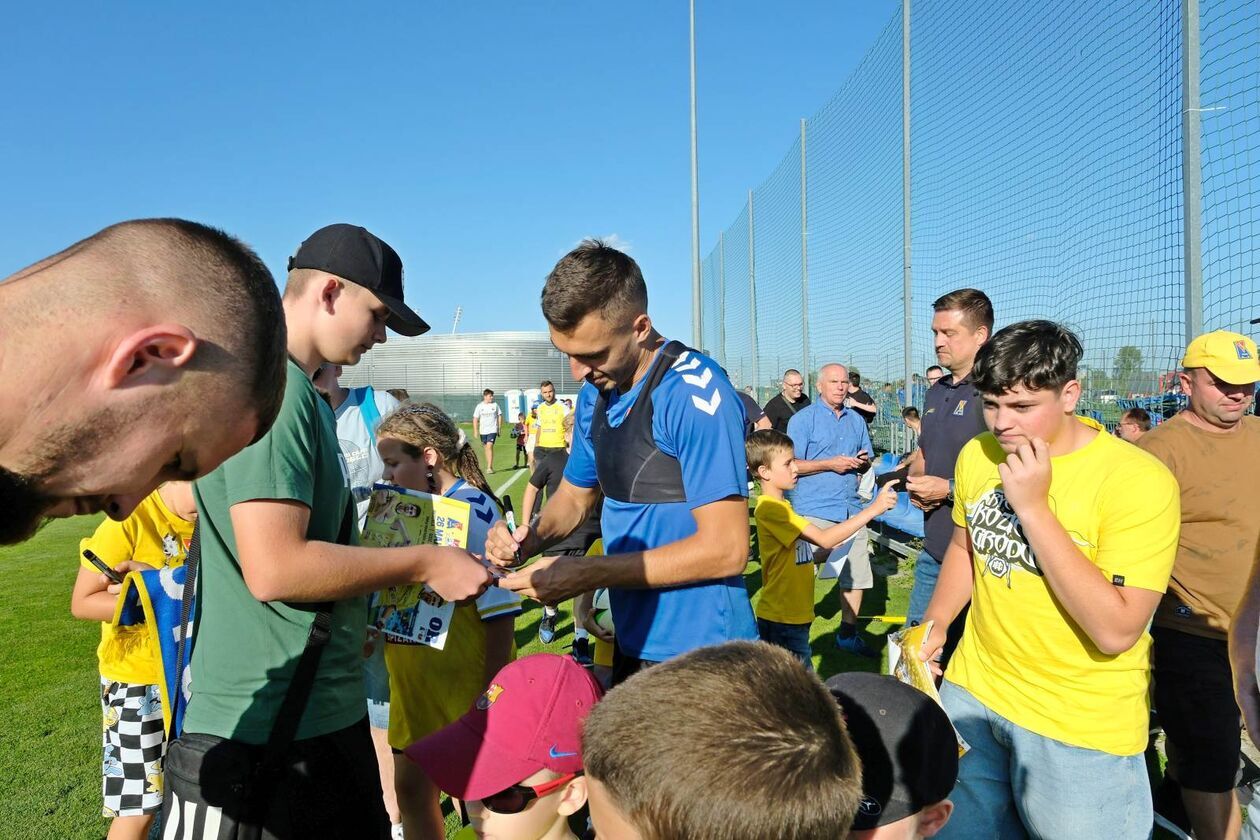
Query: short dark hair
(762, 445)
(1140, 416)
(593, 277)
(935, 367)
(546, 383)
(487, 392)
(910, 411)
(791, 371)
(731, 741)
(975, 306)
(214, 275)
(855, 379)
(1035, 354)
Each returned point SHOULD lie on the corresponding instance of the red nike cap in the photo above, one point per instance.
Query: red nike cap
(529, 719)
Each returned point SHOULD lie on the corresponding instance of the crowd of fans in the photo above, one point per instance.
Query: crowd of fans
(1071, 580)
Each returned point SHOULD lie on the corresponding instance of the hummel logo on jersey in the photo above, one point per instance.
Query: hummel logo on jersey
(710, 405)
(701, 381)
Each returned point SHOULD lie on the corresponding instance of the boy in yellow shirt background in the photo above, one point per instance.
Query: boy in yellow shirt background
(155, 536)
(785, 606)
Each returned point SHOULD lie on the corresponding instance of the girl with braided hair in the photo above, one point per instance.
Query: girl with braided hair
(424, 449)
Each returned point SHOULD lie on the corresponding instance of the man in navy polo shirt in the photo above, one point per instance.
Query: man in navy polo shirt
(952, 415)
(833, 449)
(659, 429)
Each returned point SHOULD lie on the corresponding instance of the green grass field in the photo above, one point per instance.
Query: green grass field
(50, 772)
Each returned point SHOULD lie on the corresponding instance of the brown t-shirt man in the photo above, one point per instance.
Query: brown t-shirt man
(1220, 522)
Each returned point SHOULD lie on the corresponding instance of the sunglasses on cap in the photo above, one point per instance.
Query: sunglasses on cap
(516, 798)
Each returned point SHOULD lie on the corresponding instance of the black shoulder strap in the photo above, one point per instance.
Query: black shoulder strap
(285, 727)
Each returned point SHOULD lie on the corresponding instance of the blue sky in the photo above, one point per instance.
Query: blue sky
(482, 140)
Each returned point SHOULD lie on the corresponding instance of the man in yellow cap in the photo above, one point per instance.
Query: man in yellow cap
(1213, 448)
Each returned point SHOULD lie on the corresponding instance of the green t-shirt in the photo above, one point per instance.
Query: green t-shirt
(246, 650)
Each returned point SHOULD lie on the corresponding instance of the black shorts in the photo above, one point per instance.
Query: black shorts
(330, 786)
(1194, 701)
(626, 666)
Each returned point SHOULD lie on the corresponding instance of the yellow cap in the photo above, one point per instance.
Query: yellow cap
(1228, 355)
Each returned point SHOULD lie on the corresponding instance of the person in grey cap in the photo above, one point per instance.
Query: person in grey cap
(275, 740)
(909, 756)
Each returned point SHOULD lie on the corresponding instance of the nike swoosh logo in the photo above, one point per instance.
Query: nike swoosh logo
(554, 754)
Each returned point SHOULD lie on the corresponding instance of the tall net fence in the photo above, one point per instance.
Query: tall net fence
(1046, 168)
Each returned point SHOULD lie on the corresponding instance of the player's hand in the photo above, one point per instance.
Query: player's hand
(886, 499)
(505, 548)
(927, 491)
(1026, 476)
(930, 652)
(592, 627)
(453, 573)
(545, 580)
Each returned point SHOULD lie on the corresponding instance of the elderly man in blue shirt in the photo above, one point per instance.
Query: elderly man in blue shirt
(833, 449)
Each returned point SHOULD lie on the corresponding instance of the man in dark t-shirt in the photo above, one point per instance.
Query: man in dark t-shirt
(860, 401)
(962, 323)
(788, 401)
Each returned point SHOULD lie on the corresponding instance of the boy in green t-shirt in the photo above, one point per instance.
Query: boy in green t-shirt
(272, 521)
(1064, 543)
(785, 605)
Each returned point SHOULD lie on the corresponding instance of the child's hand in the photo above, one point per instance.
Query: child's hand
(593, 627)
(122, 568)
(886, 499)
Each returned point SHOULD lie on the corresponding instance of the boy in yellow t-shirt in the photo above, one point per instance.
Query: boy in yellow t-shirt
(785, 605)
(156, 536)
(1064, 544)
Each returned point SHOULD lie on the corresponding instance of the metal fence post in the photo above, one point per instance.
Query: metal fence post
(752, 291)
(1191, 171)
(907, 326)
(804, 259)
(721, 303)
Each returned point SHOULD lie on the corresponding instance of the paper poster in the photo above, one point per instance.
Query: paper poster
(397, 516)
(905, 665)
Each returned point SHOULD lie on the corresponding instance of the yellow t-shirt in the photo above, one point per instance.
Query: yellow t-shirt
(1021, 655)
(152, 535)
(430, 688)
(551, 424)
(787, 576)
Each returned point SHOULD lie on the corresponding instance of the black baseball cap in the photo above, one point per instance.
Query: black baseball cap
(907, 746)
(354, 253)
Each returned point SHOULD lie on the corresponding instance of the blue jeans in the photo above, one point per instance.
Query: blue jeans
(794, 638)
(1014, 783)
(926, 571)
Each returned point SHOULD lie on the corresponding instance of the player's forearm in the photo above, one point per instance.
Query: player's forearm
(700, 557)
(313, 571)
(1101, 609)
(561, 515)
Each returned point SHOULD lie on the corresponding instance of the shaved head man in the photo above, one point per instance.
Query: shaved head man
(150, 351)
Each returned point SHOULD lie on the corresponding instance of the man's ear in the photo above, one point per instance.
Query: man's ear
(573, 798)
(330, 291)
(642, 327)
(153, 355)
(933, 818)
